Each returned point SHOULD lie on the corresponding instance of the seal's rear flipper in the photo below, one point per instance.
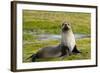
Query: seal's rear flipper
(33, 57)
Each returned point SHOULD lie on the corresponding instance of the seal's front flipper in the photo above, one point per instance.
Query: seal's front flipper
(75, 50)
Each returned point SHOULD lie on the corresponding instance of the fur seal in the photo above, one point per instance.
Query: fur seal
(66, 47)
(68, 38)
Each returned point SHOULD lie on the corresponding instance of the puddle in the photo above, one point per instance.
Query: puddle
(40, 38)
(58, 37)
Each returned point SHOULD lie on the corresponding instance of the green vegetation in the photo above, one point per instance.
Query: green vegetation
(49, 22)
(82, 44)
(46, 20)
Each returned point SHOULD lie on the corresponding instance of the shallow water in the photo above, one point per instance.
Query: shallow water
(58, 37)
(40, 38)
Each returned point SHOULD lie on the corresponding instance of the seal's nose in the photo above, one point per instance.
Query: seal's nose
(65, 25)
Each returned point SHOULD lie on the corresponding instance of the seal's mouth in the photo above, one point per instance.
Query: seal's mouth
(65, 27)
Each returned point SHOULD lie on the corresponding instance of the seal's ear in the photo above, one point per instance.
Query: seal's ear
(68, 24)
(62, 24)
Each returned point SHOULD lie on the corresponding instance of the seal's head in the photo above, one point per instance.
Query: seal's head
(66, 26)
